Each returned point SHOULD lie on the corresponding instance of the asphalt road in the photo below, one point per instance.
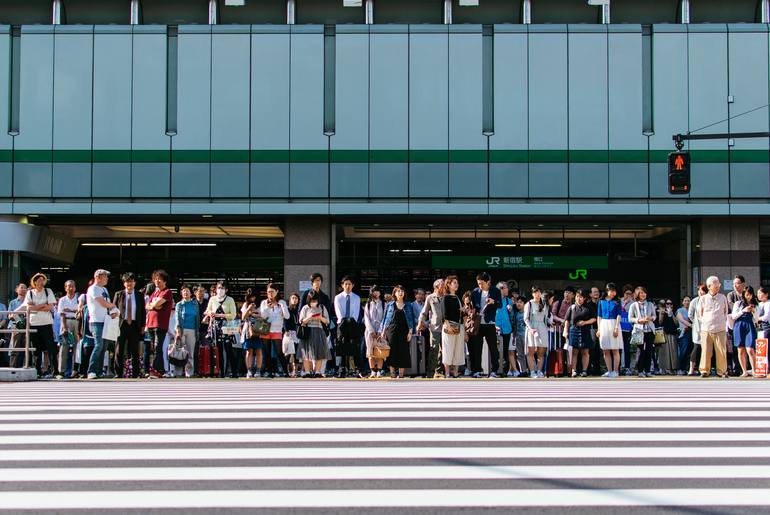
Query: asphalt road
(384, 446)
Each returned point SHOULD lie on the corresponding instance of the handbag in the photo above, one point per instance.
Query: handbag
(381, 351)
(258, 327)
(472, 323)
(637, 337)
(303, 332)
(451, 328)
(177, 353)
(231, 327)
(660, 336)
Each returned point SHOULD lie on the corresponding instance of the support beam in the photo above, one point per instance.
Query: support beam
(213, 12)
(447, 12)
(684, 11)
(764, 11)
(369, 12)
(291, 12)
(136, 12)
(526, 12)
(604, 5)
(57, 15)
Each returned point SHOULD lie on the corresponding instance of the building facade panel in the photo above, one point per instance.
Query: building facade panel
(112, 81)
(150, 146)
(428, 111)
(191, 145)
(707, 48)
(270, 89)
(548, 112)
(389, 112)
(748, 87)
(588, 112)
(349, 166)
(230, 129)
(33, 150)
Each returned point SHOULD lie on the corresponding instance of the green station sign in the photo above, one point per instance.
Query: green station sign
(503, 262)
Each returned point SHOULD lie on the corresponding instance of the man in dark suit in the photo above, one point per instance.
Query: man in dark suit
(133, 316)
(487, 299)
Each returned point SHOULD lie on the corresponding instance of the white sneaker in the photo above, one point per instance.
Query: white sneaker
(477, 375)
(249, 375)
(509, 374)
(540, 374)
(607, 374)
(493, 376)
(91, 376)
(516, 373)
(533, 375)
(642, 374)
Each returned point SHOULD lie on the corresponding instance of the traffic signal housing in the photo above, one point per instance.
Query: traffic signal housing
(679, 173)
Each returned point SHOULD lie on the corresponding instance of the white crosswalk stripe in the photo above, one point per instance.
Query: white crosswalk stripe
(427, 446)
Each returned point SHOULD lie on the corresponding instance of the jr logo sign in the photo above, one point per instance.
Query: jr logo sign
(580, 273)
(493, 262)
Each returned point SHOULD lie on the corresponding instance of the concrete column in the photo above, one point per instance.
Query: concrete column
(726, 247)
(307, 249)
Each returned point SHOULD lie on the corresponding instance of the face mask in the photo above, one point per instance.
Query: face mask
(221, 293)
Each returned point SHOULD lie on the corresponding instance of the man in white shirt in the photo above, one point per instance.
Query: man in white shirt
(347, 307)
(68, 309)
(99, 306)
(712, 313)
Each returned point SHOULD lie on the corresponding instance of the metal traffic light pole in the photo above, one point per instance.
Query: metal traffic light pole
(679, 139)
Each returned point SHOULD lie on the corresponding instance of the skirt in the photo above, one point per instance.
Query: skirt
(580, 337)
(400, 355)
(744, 334)
(667, 354)
(315, 348)
(606, 340)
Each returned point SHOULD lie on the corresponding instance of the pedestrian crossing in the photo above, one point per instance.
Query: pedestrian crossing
(408, 446)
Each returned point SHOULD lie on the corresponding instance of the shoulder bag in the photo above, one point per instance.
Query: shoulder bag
(660, 336)
(177, 353)
(472, 323)
(258, 326)
(381, 351)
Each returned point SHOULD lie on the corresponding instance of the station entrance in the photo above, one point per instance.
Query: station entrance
(244, 256)
(551, 256)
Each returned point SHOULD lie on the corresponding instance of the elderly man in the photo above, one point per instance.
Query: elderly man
(712, 312)
(432, 317)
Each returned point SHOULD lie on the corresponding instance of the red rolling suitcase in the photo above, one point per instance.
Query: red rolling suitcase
(208, 361)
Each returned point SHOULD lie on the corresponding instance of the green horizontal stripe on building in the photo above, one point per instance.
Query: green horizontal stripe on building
(375, 156)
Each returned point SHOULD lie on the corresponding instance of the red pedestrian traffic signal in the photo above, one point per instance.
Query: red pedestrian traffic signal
(679, 173)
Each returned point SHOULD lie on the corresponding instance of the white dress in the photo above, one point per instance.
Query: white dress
(607, 339)
(536, 321)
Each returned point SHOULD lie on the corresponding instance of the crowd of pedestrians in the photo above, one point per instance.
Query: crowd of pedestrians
(490, 331)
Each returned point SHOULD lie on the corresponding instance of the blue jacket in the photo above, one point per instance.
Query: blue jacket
(390, 311)
(491, 312)
(503, 318)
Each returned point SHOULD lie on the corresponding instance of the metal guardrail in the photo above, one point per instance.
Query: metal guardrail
(27, 331)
